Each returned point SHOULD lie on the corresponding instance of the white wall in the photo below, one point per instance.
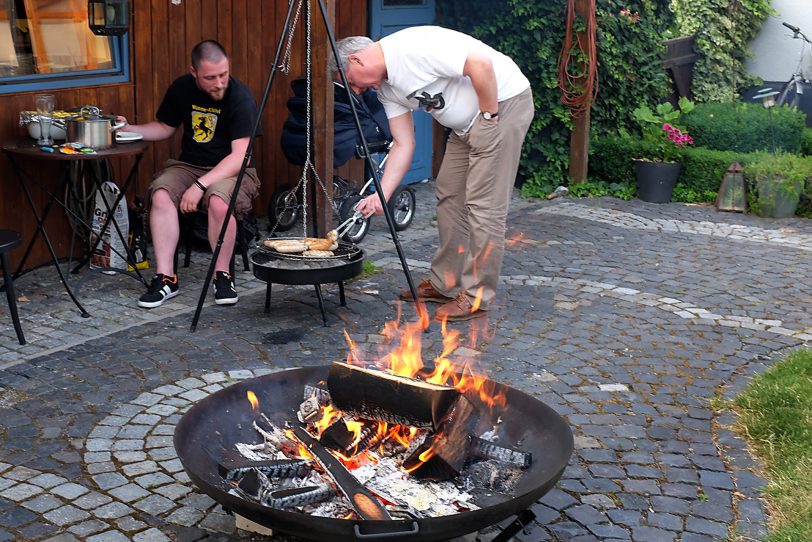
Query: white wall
(775, 54)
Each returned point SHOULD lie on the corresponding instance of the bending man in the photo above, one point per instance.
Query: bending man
(483, 97)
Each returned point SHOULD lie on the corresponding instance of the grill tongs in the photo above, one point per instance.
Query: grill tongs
(345, 226)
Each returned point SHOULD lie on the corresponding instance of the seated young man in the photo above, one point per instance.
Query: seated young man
(217, 113)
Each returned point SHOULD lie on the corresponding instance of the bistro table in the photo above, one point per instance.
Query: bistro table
(27, 149)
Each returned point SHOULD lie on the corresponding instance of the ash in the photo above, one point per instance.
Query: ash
(383, 476)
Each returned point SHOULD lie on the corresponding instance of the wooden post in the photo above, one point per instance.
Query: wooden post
(579, 138)
(322, 115)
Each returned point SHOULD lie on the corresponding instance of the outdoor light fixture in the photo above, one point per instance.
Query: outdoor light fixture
(732, 195)
(767, 97)
(108, 17)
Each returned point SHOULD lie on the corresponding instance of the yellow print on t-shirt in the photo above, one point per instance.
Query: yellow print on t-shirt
(203, 125)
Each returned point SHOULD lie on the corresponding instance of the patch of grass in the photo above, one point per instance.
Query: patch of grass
(368, 269)
(775, 415)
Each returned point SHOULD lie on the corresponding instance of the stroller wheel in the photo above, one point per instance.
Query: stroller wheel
(359, 230)
(402, 206)
(283, 210)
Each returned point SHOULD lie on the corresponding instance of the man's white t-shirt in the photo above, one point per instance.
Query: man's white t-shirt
(424, 67)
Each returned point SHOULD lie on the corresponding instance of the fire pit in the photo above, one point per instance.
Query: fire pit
(208, 435)
(294, 269)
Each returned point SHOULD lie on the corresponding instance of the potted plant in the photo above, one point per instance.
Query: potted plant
(657, 172)
(776, 182)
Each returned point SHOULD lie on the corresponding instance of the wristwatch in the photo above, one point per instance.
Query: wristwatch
(487, 115)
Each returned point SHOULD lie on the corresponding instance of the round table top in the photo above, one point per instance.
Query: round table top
(26, 146)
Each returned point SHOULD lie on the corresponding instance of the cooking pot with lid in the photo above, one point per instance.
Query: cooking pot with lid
(92, 129)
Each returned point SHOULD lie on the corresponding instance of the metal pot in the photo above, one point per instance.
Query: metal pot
(91, 129)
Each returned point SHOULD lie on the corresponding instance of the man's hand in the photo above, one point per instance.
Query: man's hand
(369, 206)
(191, 199)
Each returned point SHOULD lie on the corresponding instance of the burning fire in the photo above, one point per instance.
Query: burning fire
(404, 358)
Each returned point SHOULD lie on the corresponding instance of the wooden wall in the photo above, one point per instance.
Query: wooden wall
(161, 38)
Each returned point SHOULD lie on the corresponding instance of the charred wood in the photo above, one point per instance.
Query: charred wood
(321, 394)
(443, 454)
(337, 437)
(378, 395)
(309, 410)
(483, 449)
(273, 468)
(298, 496)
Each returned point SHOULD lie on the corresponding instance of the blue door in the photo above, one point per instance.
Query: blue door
(386, 17)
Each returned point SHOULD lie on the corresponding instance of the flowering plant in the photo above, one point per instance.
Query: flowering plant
(666, 140)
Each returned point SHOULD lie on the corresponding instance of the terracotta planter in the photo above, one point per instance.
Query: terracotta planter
(656, 180)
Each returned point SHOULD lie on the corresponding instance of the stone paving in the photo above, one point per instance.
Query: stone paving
(626, 317)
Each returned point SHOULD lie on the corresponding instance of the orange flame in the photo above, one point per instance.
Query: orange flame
(252, 398)
(302, 451)
(515, 239)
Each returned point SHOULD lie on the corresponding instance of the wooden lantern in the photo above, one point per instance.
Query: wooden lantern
(108, 17)
(732, 195)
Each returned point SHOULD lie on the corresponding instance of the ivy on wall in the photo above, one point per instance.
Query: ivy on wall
(723, 30)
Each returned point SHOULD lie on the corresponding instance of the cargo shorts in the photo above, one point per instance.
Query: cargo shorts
(177, 177)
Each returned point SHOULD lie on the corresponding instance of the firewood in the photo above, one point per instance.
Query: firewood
(377, 395)
(484, 449)
(443, 454)
(338, 437)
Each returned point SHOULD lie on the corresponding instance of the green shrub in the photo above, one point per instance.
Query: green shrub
(744, 127)
(611, 162)
(806, 142)
(722, 29)
(786, 173)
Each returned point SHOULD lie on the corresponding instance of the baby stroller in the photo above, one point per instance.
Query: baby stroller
(285, 207)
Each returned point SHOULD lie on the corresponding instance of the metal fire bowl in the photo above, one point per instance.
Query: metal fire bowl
(224, 418)
(294, 269)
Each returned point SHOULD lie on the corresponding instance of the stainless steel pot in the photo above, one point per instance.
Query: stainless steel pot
(91, 129)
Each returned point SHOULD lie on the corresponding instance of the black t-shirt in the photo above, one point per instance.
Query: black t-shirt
(209, 126)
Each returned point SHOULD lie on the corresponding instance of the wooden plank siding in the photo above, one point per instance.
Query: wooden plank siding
(162, 35)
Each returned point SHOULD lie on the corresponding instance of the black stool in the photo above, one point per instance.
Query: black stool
(9, 240)
(187, 235)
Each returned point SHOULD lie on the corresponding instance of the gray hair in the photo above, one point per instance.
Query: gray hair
(347, 47)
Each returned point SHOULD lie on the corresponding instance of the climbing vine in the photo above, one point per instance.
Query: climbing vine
(723, 30)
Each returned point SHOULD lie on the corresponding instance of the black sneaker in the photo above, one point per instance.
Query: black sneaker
(224, 291)
(161, 288)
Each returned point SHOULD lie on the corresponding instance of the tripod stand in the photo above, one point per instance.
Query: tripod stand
(286, 29)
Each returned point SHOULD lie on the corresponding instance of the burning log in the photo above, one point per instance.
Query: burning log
(385, 397)
(484, 449)
(443, 454)
(338, 437)
(342, 439)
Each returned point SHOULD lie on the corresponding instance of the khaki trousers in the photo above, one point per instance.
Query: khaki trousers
(473, 188)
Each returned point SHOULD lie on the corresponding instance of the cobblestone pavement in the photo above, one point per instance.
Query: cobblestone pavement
(625, 317)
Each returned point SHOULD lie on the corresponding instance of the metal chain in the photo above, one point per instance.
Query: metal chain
(308, 164)
(285, 66)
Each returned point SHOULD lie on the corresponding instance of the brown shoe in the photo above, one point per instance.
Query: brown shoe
(425, 292)
(458, 309)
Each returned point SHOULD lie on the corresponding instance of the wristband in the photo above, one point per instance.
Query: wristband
(200, 185)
